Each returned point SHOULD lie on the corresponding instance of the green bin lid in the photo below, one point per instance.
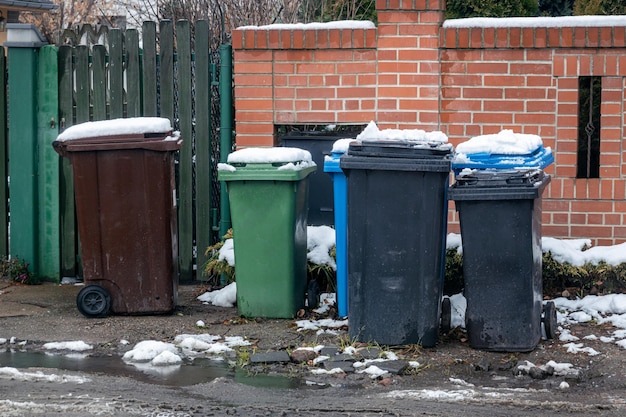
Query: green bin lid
(267, 164)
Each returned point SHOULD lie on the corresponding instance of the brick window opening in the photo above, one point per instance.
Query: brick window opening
(589, 101)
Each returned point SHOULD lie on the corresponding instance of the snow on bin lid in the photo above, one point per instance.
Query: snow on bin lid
(285, 157)
(134, 127)
(506, 142)
(274, 155)
(410, 136)
(502, 150)
(341, 145)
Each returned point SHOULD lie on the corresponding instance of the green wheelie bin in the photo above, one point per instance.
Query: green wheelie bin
(268, 195)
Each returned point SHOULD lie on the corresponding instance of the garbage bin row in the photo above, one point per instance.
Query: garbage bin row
(390, 205)
(395, 218)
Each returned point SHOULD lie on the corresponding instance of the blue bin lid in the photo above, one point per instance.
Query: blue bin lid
(540, 158)
(340, 147)
(331, 162)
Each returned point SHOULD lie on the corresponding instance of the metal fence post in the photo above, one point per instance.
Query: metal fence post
(4, 157)
(226, 127)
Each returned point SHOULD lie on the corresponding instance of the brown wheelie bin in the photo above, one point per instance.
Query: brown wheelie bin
(124, 186)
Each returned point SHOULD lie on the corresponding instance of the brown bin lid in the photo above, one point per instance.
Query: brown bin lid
(152, 133)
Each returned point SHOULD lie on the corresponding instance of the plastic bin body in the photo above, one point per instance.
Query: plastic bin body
(319, 144)
(126, 215)
(340, 193)
(397, 212)
(501, 233)
(269, 219)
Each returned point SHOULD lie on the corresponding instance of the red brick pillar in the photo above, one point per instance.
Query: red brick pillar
(408, 63)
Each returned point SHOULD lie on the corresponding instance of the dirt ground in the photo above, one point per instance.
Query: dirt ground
(46, 313)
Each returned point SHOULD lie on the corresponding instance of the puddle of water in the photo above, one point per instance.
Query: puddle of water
(266, 381)
(197, 372)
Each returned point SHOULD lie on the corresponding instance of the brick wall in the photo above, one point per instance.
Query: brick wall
(294, 76)
(411, 71)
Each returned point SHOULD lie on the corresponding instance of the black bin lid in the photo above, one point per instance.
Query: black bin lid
(481, 185)
(397, 156)
(399, 149)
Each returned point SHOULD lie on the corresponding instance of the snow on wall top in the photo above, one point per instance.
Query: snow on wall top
(536, 22)
(473, 22)
(340, 24)
(116, 127)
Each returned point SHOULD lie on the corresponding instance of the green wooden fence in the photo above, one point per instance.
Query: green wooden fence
(170, 72)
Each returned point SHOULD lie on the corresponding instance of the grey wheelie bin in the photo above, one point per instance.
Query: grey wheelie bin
(397, 211)
(500, 219)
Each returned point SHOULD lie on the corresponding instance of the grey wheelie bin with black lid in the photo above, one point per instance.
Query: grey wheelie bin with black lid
(124, 186)
(500, 219)
(397, 211)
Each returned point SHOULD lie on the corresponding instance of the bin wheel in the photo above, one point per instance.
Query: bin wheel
(446, 315)
(93, 301)
(549, 319)
(313, 294)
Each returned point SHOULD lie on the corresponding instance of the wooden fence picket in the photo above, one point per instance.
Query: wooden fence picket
(68, 238)
(185, 160)
(203, 175)
(149, 69)
(100, 83)
(133, 74)
(116, 74)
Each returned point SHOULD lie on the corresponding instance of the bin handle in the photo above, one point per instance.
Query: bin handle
(59, 148)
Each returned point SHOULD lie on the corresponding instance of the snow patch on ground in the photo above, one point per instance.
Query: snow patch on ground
(77, 346)
(225, 297)
(19, 375)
